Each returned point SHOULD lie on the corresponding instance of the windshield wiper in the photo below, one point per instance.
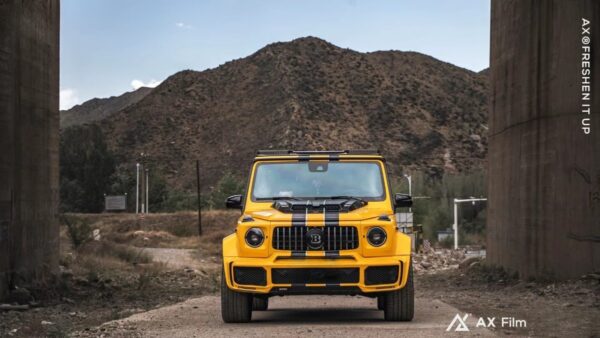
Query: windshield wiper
(344, 197)
(278, 198)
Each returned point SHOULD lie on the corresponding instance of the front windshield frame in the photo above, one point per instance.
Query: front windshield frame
(379, 164)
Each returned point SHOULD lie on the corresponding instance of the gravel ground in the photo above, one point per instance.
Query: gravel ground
(291, 316)
(565, 309)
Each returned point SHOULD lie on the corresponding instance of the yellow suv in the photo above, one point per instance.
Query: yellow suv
(314, 223)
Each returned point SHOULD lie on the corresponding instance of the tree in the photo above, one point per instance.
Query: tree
(86, 167)
(228, 185)
(158, 190)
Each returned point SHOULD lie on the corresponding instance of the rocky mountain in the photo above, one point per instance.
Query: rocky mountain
(422, 113)
(99, 109)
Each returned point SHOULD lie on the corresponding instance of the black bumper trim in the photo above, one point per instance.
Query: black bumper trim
(332, 253)
(297, 254)
(315, 275)
(333, 289)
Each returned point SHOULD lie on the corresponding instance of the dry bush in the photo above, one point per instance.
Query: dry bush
(121, 252)
(217, 224)
(78, 230)
(148, 272)
(105, 261)
(176, 230)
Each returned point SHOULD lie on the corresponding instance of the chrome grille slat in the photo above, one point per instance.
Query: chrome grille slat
(346, 241)
(335, 238)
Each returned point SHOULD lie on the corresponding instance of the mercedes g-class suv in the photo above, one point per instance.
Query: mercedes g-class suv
(317, 222)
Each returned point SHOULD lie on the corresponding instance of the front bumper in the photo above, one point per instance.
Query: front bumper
(344, 274)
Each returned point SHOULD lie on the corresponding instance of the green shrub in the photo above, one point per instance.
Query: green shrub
(228, 185)
(86, 168)
(79, 230)
(433, 203)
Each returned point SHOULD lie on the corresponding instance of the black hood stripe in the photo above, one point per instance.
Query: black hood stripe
(332, 217)
(298, 218)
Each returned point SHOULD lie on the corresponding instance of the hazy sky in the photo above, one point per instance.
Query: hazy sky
(112, 46)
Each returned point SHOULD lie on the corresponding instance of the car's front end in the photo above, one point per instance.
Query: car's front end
(317, 224)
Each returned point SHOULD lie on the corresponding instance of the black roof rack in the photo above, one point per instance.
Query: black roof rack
(318, 152)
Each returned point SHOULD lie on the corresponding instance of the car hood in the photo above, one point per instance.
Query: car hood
(364, 213)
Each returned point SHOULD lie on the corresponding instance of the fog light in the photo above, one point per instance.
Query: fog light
(254, 237)
(376, 236)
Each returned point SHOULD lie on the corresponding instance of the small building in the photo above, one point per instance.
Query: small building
(442, 235)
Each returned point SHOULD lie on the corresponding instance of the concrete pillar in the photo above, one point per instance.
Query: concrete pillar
(544, 171)
(29, 135)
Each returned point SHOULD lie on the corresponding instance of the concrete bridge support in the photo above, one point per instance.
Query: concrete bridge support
(544, 170)
(29, 54)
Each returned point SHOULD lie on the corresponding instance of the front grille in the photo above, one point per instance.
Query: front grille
(315, 276)
(250, 276)
(333, 238)
(381, 275)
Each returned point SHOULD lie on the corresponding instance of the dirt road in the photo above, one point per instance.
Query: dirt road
(294, 316)
(318, 316)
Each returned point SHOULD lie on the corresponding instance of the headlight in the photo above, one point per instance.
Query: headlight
(376, 236)
(254, 237)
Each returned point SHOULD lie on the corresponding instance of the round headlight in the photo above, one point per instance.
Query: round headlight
(254, 237)
(376, 236)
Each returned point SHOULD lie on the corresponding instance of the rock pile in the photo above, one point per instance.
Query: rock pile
(442, 259)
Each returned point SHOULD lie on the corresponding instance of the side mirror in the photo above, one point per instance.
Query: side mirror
(234, 202)
(402, 201)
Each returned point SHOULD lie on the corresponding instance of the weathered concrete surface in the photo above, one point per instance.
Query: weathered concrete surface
(544, 172)
(29, 53)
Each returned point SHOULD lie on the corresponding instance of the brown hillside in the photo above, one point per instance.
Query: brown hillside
(99, 109)
(308, 94)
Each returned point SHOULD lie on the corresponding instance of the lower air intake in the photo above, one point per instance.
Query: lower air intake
(250, 276)
(381, 275)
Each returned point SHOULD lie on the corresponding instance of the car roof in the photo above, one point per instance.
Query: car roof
(309, 155)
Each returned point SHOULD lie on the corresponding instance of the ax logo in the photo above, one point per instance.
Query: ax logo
(460, 323)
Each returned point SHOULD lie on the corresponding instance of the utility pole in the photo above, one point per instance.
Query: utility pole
(199, 202)
(137, 187)
(455, 226)
(143, 182)
(147, 199)
(142, 190)
(409, 178)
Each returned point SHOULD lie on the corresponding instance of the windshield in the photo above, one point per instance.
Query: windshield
(309, 180)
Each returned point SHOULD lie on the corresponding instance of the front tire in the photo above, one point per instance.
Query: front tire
(260, 303)
(399, 305)
(236, 307)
